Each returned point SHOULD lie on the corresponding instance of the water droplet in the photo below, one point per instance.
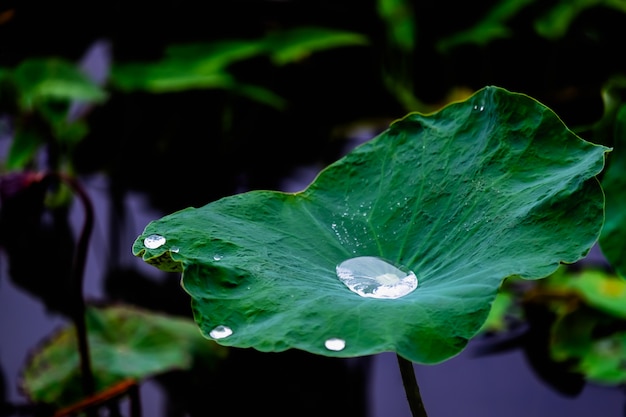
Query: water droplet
(217, 257)
(335, 344)
(154, 241)
(175, 249)
(372, 277)
(220, 332)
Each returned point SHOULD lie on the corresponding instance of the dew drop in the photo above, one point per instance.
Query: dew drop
(220, 332)
(335, 344)
(217, 257)
(175, 249)
(154, 241)
(372, 277)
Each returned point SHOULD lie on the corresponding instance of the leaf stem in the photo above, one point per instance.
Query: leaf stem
(411, 388)
(77, 277)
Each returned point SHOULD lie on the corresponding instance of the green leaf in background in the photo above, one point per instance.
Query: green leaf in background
(125, 342)
(293, 45)
(599, 289)
(26, 142)
(400, 22)
(501, 307)
(555, 23)
(460, 199)
(494, 25)
(581, 337)
(53, 79)
(184, 67)
(613, 238)
(205, 66)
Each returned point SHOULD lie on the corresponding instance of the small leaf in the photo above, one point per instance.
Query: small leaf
(184, 67)
(555, 23)
(125, 342)
(400, 22)
(25, 144)
(43, 79)
(581, 339)
(491, 27)
(500, 309)
(484, 189)
(600, 290)
(293, 45)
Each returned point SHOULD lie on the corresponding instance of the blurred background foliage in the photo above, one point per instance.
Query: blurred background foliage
(188, 102)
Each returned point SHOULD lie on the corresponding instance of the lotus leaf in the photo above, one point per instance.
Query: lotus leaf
(491, 187)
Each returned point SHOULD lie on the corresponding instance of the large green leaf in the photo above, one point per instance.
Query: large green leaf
(484, 189)
(125, 342)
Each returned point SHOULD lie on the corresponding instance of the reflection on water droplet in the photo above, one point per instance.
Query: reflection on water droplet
(220, 332)
(335, 344)
(372, 277)
(175, 249)
(217, 257)
(154, 241)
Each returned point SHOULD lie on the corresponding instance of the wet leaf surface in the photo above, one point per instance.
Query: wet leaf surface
(484, 189)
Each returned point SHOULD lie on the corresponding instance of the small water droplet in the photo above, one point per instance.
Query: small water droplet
(220, 332)
(154, 241)
(372, 277)
(175, 249)
(335, 344)
(217, 257)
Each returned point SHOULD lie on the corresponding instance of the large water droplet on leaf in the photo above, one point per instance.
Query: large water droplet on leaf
(220, 332)
(154, 241)
(335, 344)
(373, 277)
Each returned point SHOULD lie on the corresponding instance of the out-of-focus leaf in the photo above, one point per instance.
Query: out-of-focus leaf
(125, 342)
(55, 79)
(195, 66)
(186, 67)
(599, 289)
(613, 237)
(496, 320)
(400, 22)
(599, 355)
(482, 190)
(556, 22)
(199, 66)
(216, 56)
(165, 77)
(293, 45)
(491, 27)
(261, 95)
(23, 148)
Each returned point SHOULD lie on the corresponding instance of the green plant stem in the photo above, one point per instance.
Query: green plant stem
(411, 388)
(78, 269)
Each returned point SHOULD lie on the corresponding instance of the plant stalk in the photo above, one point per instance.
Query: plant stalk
(411, 388)
(76, 283)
